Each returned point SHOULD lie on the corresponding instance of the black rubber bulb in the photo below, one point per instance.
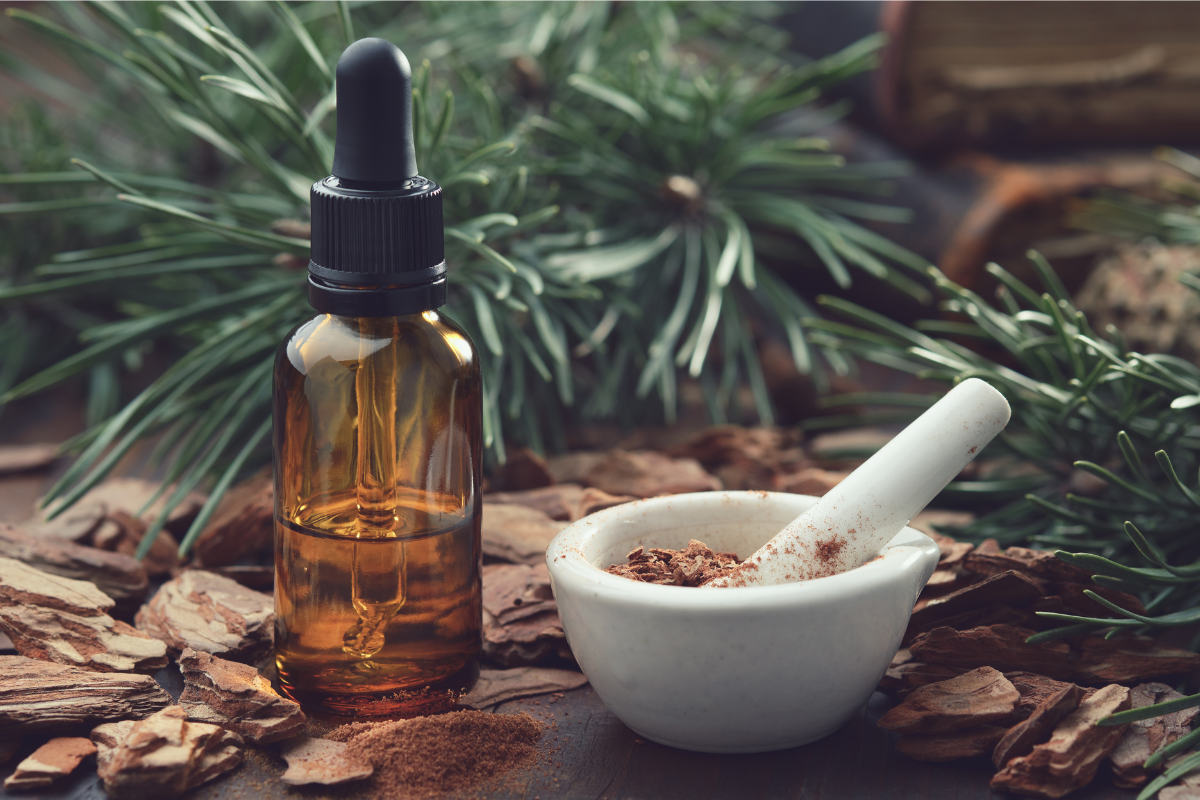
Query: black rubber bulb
(374, 146)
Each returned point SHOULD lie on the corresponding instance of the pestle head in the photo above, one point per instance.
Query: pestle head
(854, 520)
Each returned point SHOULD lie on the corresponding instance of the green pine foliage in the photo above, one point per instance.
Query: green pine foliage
(611, 176)
(678, 180)
(1083, 407)
(1137, 217)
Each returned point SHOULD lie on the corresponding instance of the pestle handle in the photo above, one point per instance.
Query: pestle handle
(854, 520)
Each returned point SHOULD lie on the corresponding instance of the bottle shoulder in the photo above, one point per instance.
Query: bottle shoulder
(429, 338)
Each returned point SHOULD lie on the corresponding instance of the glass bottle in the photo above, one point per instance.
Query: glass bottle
(377, 429)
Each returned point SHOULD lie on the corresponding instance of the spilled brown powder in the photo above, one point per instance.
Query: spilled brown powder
(829, 549)
(430, 757)
(695, 566)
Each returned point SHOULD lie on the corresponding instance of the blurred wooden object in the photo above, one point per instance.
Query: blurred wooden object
(1019, 205)
(1007, 72)
(970, 207)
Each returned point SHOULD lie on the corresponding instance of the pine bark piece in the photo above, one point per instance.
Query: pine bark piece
(40, 698)
(811, 481)
(1145, 737)
(258, 578)
(931, 519)
(236, 697)
(965, 743)
(1041, 564)
(1000, 646)
(163, 755)
(54, 760)
(1021, 738)
(9, 748)
(1187, 787)
(558, 502)
(747, 476)
(901, 679)
(593, 500)
(1059, 577)
(1076, 602)
(1130, 659)
(744, 458)
(1034, 689)
(1191, 779)
(77, 524)
(979, 697)
(21, 584)
(985, 616)
(1071, 598)
(717, 445)
(953, 554)
(1069, 760)
(854, 443)
(130, 494)
(515, 591)
(212, 614)
(523, 469)
(989, 547)
(1006, 589)
(26, 457)
(846, 449)
(915, 675)
(517, 534)
(573, 467)
(525, 641)
(320, 761)
(118, 529)
(121, 532)
(890, 681)
(645, 473)
(941, 583)
(243, 524)
(501, 685)
(63, 620)
(119, 576)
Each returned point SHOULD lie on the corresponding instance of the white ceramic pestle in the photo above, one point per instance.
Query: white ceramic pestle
(854, 520)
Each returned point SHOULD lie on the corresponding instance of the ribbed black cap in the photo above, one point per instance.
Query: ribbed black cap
(375, 222)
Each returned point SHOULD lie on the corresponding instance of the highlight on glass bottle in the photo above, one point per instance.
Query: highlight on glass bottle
(377, 528)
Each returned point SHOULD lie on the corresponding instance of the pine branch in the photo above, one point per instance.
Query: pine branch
(605, 213)
(1081, 406)
(184, 290)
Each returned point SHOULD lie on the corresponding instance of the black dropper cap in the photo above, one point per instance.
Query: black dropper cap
(377, 237)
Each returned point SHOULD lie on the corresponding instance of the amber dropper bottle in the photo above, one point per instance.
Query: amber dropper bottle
(377, 428)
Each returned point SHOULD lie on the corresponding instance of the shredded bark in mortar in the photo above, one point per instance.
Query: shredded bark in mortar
(695, 566)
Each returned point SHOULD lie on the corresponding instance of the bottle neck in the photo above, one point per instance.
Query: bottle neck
(390, 300)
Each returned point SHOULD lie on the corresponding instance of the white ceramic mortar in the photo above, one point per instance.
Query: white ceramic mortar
(734, 670)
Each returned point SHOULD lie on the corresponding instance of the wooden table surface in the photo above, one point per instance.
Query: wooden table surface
(596, 756)
(590, 753)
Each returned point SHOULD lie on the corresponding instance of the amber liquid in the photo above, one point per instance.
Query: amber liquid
(358, 619)
(377, 556)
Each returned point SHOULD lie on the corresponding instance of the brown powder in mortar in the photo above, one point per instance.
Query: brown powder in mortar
(434, 756)
(694, 566)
